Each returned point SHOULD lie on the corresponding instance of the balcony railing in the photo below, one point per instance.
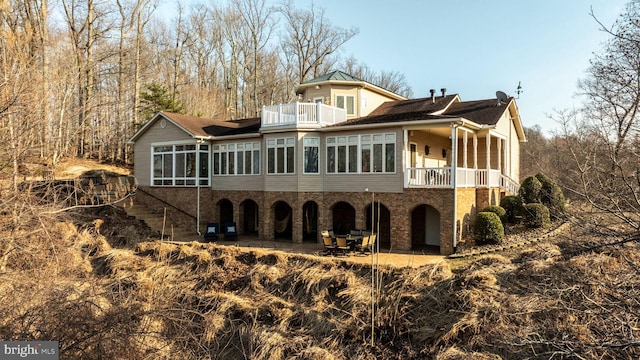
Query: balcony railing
(440, 177)
(302, 114)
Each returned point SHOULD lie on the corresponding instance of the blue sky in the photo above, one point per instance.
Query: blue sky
(476, 47)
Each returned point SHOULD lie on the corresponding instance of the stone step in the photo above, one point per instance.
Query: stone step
(155, 221)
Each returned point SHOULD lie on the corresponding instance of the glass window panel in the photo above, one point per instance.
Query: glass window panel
(256, 162)
(271, 142)
(204, 165)
(271, 160)
(190, 166)
(240, 162)
(241, 146)
(157, 182)
(340, 102)
(390, 137)
(232, 146)
(366, 137)
(342, 159)
(247, 162)
(291, 141)
(167, 170)
(311, 159)
(353, 158)
(280, 141)
(377, 157)
(377, 137)
(179, 182)
(216, 163)
(353, 139)
(290, 160)
(215, 147)
(280, 160)
(223, 163)
(366, 158)
(342, 139)
(223, 147)
(190, 182)
(180, 165)
(331, 140)
(331, 159)
(157, 167)
(390, 160)
(179, 147)
(189, 147)
(350, 105)
(232, 163)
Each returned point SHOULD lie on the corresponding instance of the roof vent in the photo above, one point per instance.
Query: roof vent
(444, 91)
(433, 95)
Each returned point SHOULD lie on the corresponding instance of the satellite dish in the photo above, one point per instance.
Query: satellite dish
(502, 97)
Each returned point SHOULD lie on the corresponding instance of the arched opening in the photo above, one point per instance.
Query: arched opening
(310, 221)
(343, 218)
(282, 221)
(382, 221)
(425, 229)
(250, 217)
(225, 211)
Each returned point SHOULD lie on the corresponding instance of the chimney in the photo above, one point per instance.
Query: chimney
(444, 91)
(433, 95)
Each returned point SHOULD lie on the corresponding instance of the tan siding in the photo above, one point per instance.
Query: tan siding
(436, 145)
(238, 182)
(142, 148)
(369, 101)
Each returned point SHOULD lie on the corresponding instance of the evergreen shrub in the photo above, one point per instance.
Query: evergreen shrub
(488, 228)
(512, 206)
(536, 215)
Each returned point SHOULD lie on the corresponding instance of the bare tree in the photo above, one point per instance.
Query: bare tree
(311, 39)
(603, 137)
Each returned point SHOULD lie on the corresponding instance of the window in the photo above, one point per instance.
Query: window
(236, 159)
(311, 149)
(177, 165)
(342, 154)
(281, 156)
(361, 154)
(347, 102)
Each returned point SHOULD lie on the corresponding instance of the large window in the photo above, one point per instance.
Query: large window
(236, 159)
(177, 164)
(347, 102)
(342, 154)
(361, 153)
(311, 150)
(281, 156)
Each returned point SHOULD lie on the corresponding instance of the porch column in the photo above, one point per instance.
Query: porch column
(464, 154)
(475, 151)
(405, 158)
(454, 155)
(488, 144)
(499, 154)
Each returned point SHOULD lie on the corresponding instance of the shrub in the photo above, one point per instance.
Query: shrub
(536, 215)
(530, 190)
(498, 210)
(551, 195)
(512, 206)
(488, 228)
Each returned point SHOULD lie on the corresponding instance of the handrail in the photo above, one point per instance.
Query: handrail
(168, 204)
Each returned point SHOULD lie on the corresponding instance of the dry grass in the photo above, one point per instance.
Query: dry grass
(105, 288)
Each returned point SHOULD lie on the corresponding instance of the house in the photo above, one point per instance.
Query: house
(347, 155)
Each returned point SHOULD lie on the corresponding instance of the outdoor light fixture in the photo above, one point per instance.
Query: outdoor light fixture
(426, 149)
(444, 153)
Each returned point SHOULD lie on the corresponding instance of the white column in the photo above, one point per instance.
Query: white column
(406, 160)
(464, 154)
(488, 145)
(475, 151)
(499, 154)
(454, 156)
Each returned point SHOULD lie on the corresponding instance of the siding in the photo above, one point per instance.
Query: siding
(142, 148)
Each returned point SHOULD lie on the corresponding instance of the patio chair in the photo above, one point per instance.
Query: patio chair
(229, 230)
(368, 242)
(213, 230)
(329, 247)
(342, 246)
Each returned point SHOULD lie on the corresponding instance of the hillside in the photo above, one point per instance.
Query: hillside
(99, 282)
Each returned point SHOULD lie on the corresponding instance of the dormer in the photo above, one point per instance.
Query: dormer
(356, 96)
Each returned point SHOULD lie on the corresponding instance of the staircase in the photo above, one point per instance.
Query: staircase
(155, 218)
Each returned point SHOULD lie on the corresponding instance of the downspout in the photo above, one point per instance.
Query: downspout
(198, 142)
(454, 180)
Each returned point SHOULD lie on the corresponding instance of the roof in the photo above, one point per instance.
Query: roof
(484, 112)
(335, 75)
(201, 127)
(339, 77)
(481, 112)
(406, 110)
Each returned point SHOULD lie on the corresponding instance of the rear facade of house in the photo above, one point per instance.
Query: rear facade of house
(347, 155)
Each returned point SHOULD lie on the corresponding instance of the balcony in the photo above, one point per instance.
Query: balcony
(441, 177)
(301, 115)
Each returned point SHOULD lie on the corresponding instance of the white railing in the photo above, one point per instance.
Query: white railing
(302, 114)
(441, 177)
(429, 177)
